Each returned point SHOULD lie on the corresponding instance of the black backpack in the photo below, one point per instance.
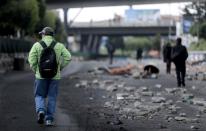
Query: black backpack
(48, 63)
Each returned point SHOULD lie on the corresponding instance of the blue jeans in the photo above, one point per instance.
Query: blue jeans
(46, 88)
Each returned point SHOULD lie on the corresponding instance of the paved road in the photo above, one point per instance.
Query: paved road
(17, 104)
(77, 107)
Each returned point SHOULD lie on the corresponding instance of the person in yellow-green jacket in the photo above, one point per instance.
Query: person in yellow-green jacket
(47, 58)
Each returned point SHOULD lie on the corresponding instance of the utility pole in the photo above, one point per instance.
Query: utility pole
(198, 20)
(170, 23)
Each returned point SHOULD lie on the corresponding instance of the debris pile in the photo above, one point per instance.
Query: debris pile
(133, 102)
(147, 71)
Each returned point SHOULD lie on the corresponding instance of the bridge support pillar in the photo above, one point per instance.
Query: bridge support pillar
(90, 43)
(65, 18)
(93, 44)
(66, 23)
(83, 43)
(96, 44)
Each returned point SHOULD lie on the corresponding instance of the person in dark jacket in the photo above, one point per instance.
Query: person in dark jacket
(179, 56)
(167, 57)
(110, 50)
(139, 53)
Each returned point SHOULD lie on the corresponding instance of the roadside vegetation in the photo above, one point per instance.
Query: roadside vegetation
(197, 12)
(25, 18)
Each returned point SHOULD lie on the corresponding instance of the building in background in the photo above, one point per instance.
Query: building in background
(142, 15)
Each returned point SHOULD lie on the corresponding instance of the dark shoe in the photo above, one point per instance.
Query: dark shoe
(178, 85)
(41, 117)
(183, 84)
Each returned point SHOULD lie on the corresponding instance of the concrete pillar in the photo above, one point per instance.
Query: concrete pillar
(90, 42)
(96, 44)
(65, 18)
(66, 24)
(83, 42)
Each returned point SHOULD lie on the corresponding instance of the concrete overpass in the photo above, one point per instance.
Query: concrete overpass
(123, 31)
(53, 4)
(91, 36)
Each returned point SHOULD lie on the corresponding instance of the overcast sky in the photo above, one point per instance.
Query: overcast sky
(105, 13)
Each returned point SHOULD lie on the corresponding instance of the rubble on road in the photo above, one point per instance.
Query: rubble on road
(158, 99)
(179, 118)
(137, 72)
(172, 90)
(199, 101)
(158, 86)
(196, 71)
(194, 127)
(133, 102)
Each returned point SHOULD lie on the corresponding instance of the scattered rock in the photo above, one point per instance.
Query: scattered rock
(189, 77)
(201, 76)
(137, 104)
(129, 89)
(83, 83)
(77, 85)
(111, 88)
(182, 114)
(159, 94)
(136, 75)
(149, 93)
(104, 97)
(171, 90)
(95, 82)
(108, 104)
(134, 97)
(170, 102)
(195, 120)
(158, 99)
(158, 86)
(194, 87)
(194, 127)
(187, 97)
(91, 98)
(121, 96)
(121, 85)
(178, 118)
(199, 102)
(168, 118)
(198, 115)
(154, 76)
(144, 89)
(173, 109)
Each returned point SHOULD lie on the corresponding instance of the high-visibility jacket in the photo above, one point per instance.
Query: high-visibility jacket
(63, 56)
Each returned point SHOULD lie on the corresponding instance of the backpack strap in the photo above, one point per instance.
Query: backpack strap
(53, 43)
(42, 43)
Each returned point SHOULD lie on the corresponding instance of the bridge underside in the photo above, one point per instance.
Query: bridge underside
(124, 31)
(91, 37)
(94, 3)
